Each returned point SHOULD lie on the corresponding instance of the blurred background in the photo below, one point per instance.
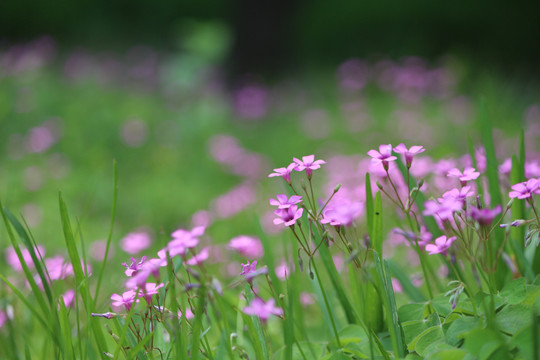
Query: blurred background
(197, 101)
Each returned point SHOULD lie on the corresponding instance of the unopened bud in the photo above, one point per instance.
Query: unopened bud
(510, 203)
(107, 315)
(379, 185)
(336, 189)
(420, 183)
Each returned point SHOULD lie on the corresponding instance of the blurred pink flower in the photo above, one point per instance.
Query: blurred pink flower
(199, 258)
(441, 246)
(343, 213)
(306, 298)
(468, 174)
(13, 260)
(189, 314)
(135, 242)
(149, 290)
(484, 216)
(247, 246)
(125, 300)
(68, 297)
(397, 286)
(263, 310)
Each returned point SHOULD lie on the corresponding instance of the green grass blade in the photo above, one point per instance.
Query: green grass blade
(30, 246)
(111, 226)
(377, 239)
(337, 283)
(369, 205)
(80, 276)
(197, 327)
(31, 281)
(387, 293)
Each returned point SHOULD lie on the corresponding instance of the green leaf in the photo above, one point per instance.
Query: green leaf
(451, 354)
(459, 327)
(515, 291)
(513, 318)
(411, 312)
(428, 337)
(525, 342)
(482, 342)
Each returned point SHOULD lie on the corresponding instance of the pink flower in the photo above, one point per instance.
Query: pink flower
(247, 268)
(68, 297)
(285, 173)
(458, 194)
(263, 310)
(3, 318)
(250, 272)
(125, 300)
(183, 240)
(306, 298)
(283, 202)
(383, 156)
(308, 163)
(13, 259)
(484, 216)
(409, 153)
(442, 244)
(189, 314)
(398, 288)
(343, 213)
(468, 174)
(282, 271)
(524, 190)
(135, 242)
(199, 258)
(134, 266)
(58, 268)
(247, 246)
(148, 290)
(288, 216)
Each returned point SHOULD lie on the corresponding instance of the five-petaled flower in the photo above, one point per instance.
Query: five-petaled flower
(409, 154)
(468, 174)
(288, 216)
(383, 156)
(285, 173)
(308, 163)
(441, 246)
(524, 190)
(283, 202)
(263, 310)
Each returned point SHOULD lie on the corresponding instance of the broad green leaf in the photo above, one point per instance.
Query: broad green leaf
(428, 337)
(515, 291)
(453, 354)
(411, 312)
(513, 318)
(482, 342)
(458, 327)
(525, 342)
